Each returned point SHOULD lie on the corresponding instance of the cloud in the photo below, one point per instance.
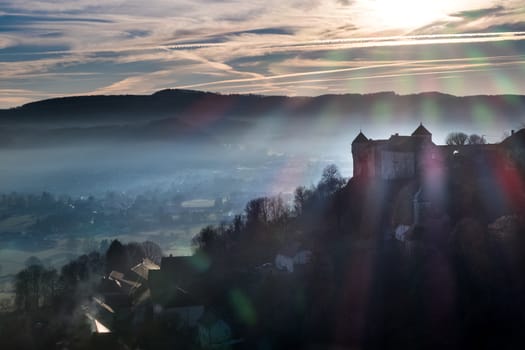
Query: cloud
(16, 97)
(115, 46)
(140, 84)
(491, 19)
(475, 14)
(18, 20)
(507, 27)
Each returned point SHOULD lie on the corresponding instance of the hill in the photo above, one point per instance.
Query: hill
(187, 103)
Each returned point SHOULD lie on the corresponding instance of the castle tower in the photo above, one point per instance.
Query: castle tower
(422, 132)
(359, 154)
(424, 150)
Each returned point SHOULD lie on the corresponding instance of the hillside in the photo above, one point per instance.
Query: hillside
(185, 103)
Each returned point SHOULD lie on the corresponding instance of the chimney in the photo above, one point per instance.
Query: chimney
(512, 132)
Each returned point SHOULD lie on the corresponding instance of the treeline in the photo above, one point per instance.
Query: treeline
(38, 286)
(268, 224)
(454, 281)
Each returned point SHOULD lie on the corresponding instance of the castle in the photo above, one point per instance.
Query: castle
(419, 170)
(415, 156)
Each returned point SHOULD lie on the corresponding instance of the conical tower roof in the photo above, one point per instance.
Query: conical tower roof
(421, 131)
(360, 138)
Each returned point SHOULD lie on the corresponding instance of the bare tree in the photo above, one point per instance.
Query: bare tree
(301, 197)
(35, 286)
(457, 139)
(256, 212)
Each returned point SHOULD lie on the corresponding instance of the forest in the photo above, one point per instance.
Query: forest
(454, 281)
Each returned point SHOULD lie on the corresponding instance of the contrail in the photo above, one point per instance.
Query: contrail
(371, 42)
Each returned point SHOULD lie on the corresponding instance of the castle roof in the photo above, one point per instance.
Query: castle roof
(360, 138)
(517, 139)
(421, 131)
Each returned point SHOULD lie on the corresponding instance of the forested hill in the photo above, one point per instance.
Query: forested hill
(174, 103)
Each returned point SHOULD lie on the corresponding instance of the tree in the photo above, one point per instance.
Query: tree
(35, 286)
(256, 211)
(301, 197)
(207, 240)
(475, 139)
(117, 257)
(456, 139)
(81, 269)
(331, 181)
(266, 210)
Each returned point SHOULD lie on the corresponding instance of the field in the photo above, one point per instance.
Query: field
(16, 223)
(173, 242)
(176, 242)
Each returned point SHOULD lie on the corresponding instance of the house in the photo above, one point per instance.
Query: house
(183, 309)
(144, 268)
(175, 289)
(290, 257)
(176, 273)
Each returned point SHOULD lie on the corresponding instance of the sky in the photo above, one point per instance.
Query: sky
(299, 47)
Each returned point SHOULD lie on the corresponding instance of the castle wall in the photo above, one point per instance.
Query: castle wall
(364, 161)
(397, 165)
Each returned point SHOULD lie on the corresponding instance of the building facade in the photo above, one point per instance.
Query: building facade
(399, 157)
(417, 156)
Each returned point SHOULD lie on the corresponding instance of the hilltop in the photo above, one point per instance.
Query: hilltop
(179, 103)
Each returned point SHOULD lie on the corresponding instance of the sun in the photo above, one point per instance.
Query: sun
(401, 14)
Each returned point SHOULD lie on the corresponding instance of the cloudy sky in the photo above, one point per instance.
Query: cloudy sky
(54, 48)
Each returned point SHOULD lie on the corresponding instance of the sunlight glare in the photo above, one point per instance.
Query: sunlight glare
(403, 14)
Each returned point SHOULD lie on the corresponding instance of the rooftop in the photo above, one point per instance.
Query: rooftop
(421, 131)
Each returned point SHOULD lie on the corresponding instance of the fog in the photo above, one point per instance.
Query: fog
(94, 168)
(272, 149)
